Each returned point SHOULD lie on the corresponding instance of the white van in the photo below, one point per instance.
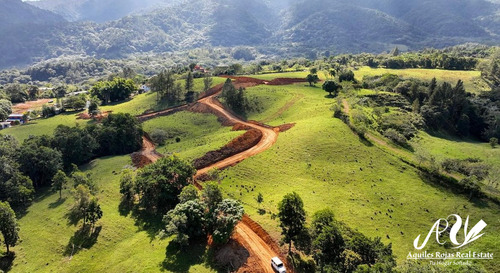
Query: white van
(278, 265)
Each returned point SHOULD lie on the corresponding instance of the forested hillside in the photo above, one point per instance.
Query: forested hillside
(305, 28)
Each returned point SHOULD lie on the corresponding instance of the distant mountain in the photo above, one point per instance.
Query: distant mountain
(14, 13)
(97, 10)
(291, 26)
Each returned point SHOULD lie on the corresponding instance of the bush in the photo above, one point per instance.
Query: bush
(159, 136)
(396, 137)
(493, 142)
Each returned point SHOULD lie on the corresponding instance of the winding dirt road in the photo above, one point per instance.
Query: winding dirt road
(260, 251)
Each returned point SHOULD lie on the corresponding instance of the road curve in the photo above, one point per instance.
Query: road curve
(269, 137)
(258, 249)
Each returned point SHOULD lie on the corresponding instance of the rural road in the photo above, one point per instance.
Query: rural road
(258, 249)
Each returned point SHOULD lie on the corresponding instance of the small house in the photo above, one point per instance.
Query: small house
(14, 118)
(5, 125)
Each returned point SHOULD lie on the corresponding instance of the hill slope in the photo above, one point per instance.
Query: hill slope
(300, 26)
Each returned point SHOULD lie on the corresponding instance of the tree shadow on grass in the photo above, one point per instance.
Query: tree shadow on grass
(84, 238)
(6, 261)
(57, 203)
(125, 207)
(180, 260)
(150, 222)
(364, 140)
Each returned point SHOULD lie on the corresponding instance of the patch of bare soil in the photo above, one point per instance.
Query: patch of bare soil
(241, 127)
(21, 108)
(244, 142)
(285, 81)
(98, 117)
(286, 127)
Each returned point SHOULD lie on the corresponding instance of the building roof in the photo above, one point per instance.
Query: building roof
(16, 115)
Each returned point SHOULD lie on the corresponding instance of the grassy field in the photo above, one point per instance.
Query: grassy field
(323, 161)
(121, 246)
(472, 79)
(43, 126)
(199, 134)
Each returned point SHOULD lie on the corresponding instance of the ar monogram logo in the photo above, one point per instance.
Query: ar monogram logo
(470, 236)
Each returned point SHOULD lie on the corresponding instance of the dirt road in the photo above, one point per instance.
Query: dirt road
(269, 137)
(260, 251)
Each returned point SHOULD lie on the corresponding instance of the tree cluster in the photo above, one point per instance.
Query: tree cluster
(235, 99)
(38, 161)
(166, 88)
(164, 187)
(118, 89)
(333, 246)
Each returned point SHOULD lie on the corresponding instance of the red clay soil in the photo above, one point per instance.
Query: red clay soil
(286, 127)
(285, 81)
(240, 127)
(21, 108)
(99, 117)
(147, 154)
(166, 112)
(242, 143)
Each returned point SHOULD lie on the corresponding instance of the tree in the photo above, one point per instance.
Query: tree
(93, 212)
(207, 83)
(82, 197)
(189, 193)
(189, 86)
(33, 92)
(211, 195)
(312, 79)
(347, 76)
(8, 225)
(164, 86)
(159, 184)
(313, 70)
(186, 221)
(331, 87)
(5, 109)
(94, 104)
(493, 142)
(76, 144)
(59, 181)
(76, 103)
(39, 161)
(48, 111)
(235, 99)
(117, 134)
(328, 242)
(292, 218)
(127, 184)
(16, 93)
(117, 89)
(60, 91)
(227, 214)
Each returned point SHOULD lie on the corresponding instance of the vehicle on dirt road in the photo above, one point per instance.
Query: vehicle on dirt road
(278, 265)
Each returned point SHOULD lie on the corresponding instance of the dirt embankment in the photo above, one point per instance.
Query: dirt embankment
(242, 143)
(147, 154)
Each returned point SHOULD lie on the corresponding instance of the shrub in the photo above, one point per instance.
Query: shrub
(493, 142)
(396, 137)
(159, 136)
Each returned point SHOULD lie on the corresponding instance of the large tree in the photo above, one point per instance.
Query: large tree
(159, 184)
(226, 216)
(292, 218)
(8, 225)
(118, 134)
(328, 243)
(5, 109)
(186, 221)
(117, 89)
(59, 181)
(331, 87)
(76, 144)
(40, 162)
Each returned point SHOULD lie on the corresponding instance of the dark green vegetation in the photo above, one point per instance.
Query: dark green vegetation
(305, 28)
(36, 162)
